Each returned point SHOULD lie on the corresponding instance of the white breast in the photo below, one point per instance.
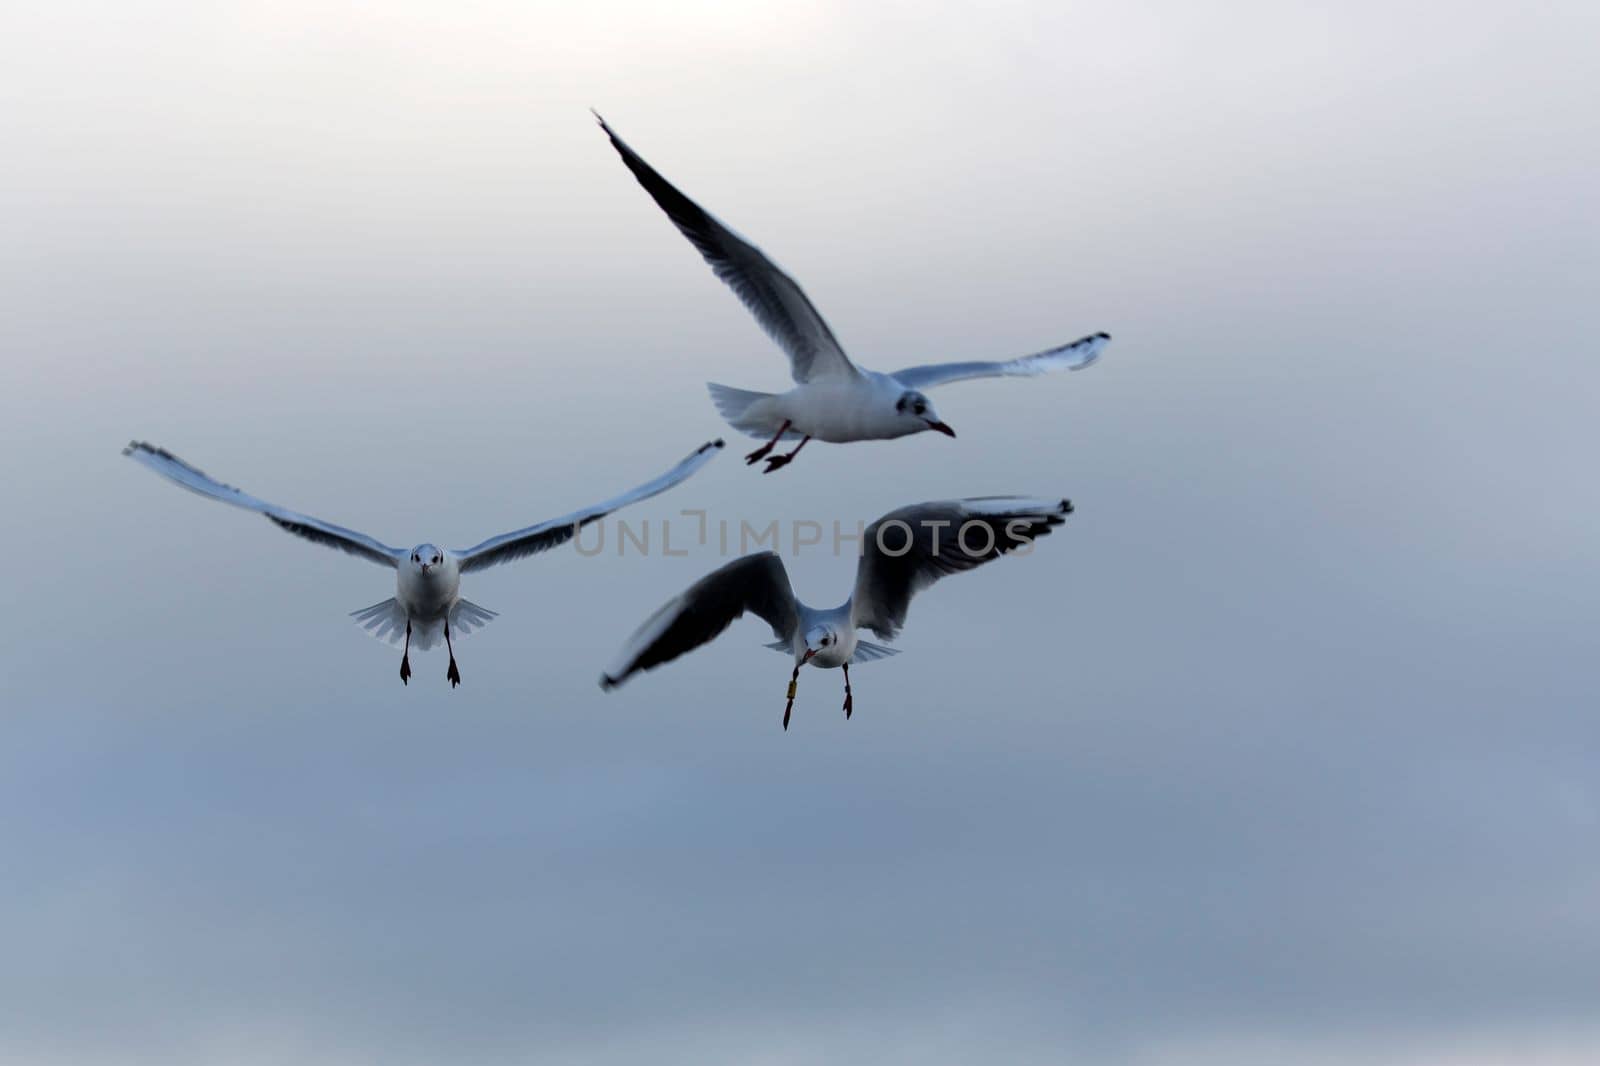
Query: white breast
(429, 595)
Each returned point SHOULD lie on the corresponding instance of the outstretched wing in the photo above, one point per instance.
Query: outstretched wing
(783, 310)
(907, 550)
(1074, 356)
(756, 583)
(170, 466)
(545, 535)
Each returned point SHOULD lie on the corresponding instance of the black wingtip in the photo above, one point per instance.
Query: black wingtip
(146, 448)
(607, 682)
(719, 443)
(610, 133)
(1066, 507)
(1103, 335)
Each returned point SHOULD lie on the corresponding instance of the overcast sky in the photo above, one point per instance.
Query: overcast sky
(1281, 751)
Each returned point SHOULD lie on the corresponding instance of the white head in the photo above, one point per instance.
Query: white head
(914, 407)
(822, 640)
(425, 557)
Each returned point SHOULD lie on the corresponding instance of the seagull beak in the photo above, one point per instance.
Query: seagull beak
(809, 653)
(942, 428)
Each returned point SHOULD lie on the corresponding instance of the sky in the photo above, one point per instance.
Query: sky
(1282, 750)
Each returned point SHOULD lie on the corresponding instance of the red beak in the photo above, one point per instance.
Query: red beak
(809, 653)
(942, 428)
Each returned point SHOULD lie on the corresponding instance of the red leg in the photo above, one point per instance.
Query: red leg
(777, 462)
(452, 675)
(761, 452)
(405, 657)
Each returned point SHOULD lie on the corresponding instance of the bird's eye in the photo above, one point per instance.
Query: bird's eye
(920, 407)
(436, 559)
(900, 404)
(414, 558)
(826, 641)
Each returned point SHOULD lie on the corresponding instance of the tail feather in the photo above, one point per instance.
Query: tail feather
(866, 651)
(467, 617)
(387, 622)
(744, 411)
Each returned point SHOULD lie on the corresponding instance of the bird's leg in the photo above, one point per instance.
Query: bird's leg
(777, 462)
(847, 703)
(452, 675)
(405, 657)
(794, 683)
(761, 452)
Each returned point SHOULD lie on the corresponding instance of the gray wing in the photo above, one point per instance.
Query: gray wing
(756, 583)
(315, 530)
(899, 562)
(557, 531)
(772, 296)
(1074, 356)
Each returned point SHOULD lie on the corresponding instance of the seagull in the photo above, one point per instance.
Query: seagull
(834, 399)
(903, 552)
(428, 578)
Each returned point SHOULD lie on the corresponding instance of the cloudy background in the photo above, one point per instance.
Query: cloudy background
(1283, 750)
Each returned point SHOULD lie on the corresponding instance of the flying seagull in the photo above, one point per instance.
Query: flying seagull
(903, 552)
(833, 399)
(427, 596)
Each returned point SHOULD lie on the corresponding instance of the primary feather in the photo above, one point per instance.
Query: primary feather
(315, 530)
(777, 301)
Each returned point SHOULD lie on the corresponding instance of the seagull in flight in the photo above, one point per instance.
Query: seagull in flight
(903, 552)
(833, 399)
(427, 599)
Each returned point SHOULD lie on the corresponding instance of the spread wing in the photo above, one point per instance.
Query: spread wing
(546, 535)
(315, 530)
(1074, 356)
(757, 583)
(907, 550)
(772, 296)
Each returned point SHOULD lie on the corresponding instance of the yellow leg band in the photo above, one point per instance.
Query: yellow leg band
(792, 686)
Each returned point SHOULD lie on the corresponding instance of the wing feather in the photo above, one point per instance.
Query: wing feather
(546, 535)
(776, 300)
(756, 583)
(897, 563)
(315, 530)
(1075, 356)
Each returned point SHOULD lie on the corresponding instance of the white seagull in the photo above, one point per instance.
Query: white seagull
(428, 579)
(903, 552)
(834, 400)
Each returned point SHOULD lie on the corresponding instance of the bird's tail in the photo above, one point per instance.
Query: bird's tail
(744, 410)
(387, 622)
(866, 651)
(467, 617)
